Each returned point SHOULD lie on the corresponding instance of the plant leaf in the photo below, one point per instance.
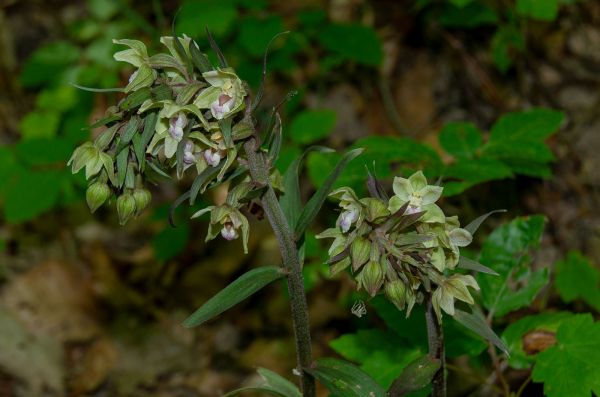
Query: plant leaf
(312, 207)
(216, 49)
(415, 376)
(470, 264)
(577, 278)
(343, 379)
(477, 324)
(570, 367)
(201, 179)
(290, 200)
(475, 223)
(234, 293)
(272, 383)
(509, 251)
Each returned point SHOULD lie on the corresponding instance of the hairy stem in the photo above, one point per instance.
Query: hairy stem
(435, 337)
(259, 173)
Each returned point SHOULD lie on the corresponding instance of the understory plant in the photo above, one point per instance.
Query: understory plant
(180, 114)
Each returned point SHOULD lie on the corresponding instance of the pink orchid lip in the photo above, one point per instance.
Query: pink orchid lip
(223, 99)
(228, 232)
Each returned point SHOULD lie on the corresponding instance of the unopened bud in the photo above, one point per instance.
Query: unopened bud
(371, 277)
(396, 293)
(96, 194)
(142, 198)
(125, 207)
(360, 252)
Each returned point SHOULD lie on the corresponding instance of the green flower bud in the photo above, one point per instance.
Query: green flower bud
(371, 277)
(142, 198)
(125, 207)
(360, 252)
(96, 194)
(396, 293)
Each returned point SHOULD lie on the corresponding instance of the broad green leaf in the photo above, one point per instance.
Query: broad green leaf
(32, 193)
(290, 200)
(460, 139)
(379, 353)
(312, 125)
(507, 41)
(234, 293)
(343, 379)
(570, 368)
(170, 242)
(196, 14)
(312, 207)
(353, 42)
(472, 172)
(103, 9)
(508, 251)
(520, 135)
(40, 124)
(577, 278)
(255, 33)
(43, 151)
(476, 323)
(412, 331)
(416, 376)
(47, 63)
(472, 15)
(545, 10)
(384, 154)
(271, 383)
(515, 333)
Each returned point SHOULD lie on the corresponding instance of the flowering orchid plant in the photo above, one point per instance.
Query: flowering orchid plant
(182, 113)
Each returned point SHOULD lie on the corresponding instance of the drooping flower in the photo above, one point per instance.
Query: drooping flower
(176, 125)
(225, 95)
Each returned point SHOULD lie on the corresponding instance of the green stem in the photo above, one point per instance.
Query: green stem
(435, 337)
(259, 172)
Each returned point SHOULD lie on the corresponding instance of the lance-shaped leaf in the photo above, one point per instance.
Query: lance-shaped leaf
(477, 324)
(199, 59)
(415, 376)
(474, 225)
(312, 207)
(261, 88)
(290, 199)
(246, 285)
(128, 133)
(343, 379)
(147, 133)
(470, 264)
(272, 383)
(122, 166)
(202, 179)
(216, 49)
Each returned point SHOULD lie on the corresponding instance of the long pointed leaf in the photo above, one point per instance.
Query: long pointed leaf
(147, 133)
(343, 379)
(92, 89)
(261, 89)
(470, 264)
(290, 199)
(477, 324)
(201, 179)
(272, 383)
(415, 376)
(234, 293)
(474, 225)
(312, 207)
(216, 49)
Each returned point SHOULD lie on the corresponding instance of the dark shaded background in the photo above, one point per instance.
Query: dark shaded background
(91, 308)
